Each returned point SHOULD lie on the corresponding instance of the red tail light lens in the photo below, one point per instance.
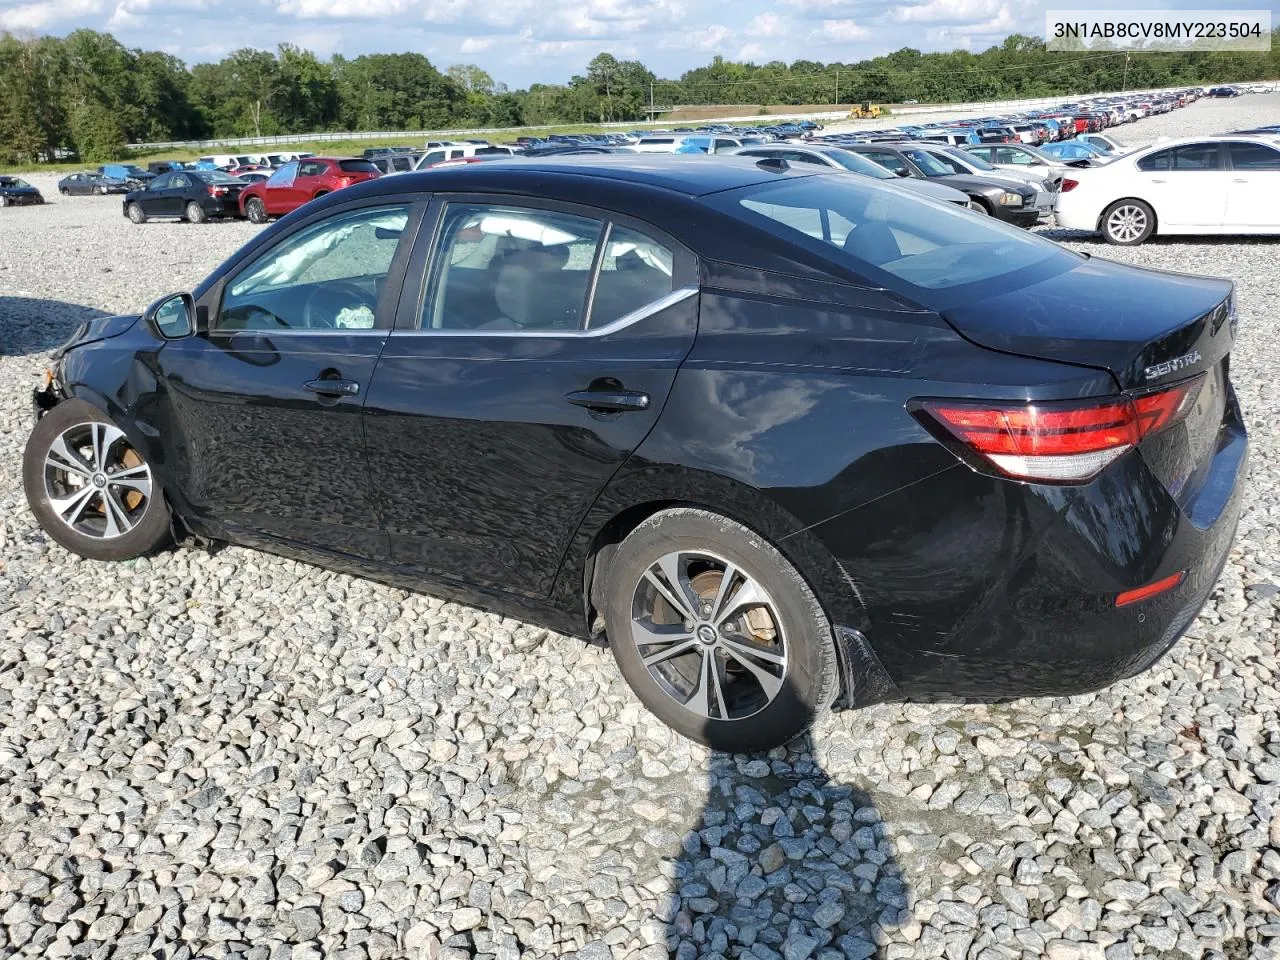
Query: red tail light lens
(218, 191)
(1056, 442)
(1068, 184)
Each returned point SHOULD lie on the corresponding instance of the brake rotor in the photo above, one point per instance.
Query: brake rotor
(132, 498)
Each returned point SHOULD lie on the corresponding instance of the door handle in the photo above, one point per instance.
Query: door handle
(610, 401)
(333, 388)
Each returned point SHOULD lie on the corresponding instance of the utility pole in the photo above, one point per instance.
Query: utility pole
(1125, 84)
(650, 99)
(837, 86)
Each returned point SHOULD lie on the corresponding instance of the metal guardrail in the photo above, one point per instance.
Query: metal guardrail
(340, 136)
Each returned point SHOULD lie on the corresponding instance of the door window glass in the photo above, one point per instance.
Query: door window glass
(1196, 156)
(890, 161)
(1254, 156)
(326, 277)
(635, 270)
(1156, 161)
(510, 268)
(285, 176)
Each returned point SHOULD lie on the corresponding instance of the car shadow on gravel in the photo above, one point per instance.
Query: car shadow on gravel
(30, 325)
(1062, 235)
(785, 862)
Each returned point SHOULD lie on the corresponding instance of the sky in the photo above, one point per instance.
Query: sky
(519, 42)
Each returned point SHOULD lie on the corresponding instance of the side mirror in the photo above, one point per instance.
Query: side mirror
(173, 317)
(903, 173)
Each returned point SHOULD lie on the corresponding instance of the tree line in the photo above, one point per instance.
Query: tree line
(88, 95)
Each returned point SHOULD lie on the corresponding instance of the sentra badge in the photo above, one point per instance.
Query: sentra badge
(1172, 366)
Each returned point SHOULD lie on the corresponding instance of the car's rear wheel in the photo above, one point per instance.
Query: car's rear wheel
(195, 213)
(1128, 223)
(136, 213)
(255, 210)
(64, 191)
(89, 488)
(717, 633)
(102, 191)
(4, 201)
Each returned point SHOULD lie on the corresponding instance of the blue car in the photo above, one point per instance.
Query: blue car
(1072, 150)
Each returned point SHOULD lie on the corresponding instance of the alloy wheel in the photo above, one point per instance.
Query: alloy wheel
(96, 483)
(1127, 223)
(710, 635)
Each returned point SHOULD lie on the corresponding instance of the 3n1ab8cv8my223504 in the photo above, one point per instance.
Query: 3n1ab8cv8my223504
(787, 438)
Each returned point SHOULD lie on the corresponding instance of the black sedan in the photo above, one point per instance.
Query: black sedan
(88, 184)
(192, 195)
(786, 438)
(996, 197)
(16, 192)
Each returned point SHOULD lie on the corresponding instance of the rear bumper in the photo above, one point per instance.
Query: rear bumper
(979, 587)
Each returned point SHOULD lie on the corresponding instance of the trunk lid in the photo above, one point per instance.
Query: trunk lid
(1149, 328)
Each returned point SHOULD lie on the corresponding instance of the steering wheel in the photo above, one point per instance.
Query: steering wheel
(326, 300)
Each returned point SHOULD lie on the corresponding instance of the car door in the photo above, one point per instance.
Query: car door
(1186, 185)
(309, 180)
(262, 407)
(277, 193)
(534, 361)
(155, 198)
(1253, 195)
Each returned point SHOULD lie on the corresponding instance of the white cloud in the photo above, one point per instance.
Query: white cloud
(951, 11)
(840, 31)
(752, 51)
(38, 16)
(343, 9)
(475, 44)
(768, 25)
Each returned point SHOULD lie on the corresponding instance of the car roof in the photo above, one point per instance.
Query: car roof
(687, 174)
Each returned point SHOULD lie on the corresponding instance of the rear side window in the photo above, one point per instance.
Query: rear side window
(1196, 156)
(635, 270)
(357, 166)
(1253, 156)
(501, 268)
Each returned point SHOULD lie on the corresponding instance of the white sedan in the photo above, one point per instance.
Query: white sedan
(1206, 185)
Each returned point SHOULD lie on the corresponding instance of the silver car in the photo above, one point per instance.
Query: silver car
(832, 156)
(968, 162)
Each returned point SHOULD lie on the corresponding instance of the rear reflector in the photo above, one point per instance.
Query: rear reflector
(1150, 590)
(1055, 442)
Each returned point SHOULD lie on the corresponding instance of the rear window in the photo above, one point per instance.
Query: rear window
(658, 140)
(357, 166)
(937, 255)
(215, 176)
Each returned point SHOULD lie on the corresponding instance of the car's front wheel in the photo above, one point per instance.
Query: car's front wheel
(1128, 223)
(136, 213)
(980, 208)
(717, 633)
(255, 210)
(89, 488)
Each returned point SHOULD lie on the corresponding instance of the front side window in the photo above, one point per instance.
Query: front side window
(1196, 156)
(890, 161)
(926, 162)
(285, 176)
(328, 276)
(1156, 161)
(311, 168)
(940, 255)
(510, 268)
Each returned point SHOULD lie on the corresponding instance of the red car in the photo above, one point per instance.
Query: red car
(300, 181)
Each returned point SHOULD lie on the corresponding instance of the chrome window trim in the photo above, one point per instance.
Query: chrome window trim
(626, 320)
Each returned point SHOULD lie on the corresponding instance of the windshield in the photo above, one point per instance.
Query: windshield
(929, 164)
(973, 160)
(939, 255)
(14, 182)
(860, 164)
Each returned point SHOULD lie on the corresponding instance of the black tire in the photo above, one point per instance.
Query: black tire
(102, 191)
(979, 207)
(255, 210)
(64, 191)
(809, 678)
(136, 213)
(195, 213)
(1128, 222)
(151, 526)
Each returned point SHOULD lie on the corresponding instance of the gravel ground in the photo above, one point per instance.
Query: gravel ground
(225, 754)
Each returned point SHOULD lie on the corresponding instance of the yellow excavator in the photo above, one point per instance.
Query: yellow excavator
(864, 111)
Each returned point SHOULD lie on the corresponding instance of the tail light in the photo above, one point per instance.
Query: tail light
(1054, 442)
(1068, 184)
(218, 191)
(346, 181)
